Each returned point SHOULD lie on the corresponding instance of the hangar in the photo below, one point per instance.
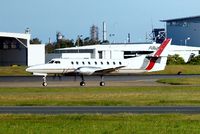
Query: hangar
(15, 49)
(184, 31)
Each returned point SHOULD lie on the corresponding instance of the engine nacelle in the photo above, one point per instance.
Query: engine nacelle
(86, 70)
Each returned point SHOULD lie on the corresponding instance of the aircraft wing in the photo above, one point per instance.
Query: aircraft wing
(108, 70)
(96, 70)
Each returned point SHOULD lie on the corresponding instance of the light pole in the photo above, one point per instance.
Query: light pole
(186, 40)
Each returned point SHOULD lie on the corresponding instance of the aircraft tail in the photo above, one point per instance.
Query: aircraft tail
(158, 61)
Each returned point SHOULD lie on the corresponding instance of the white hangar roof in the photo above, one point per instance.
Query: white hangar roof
(16, 35)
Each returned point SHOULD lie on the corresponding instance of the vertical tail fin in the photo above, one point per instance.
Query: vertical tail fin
(159, 59)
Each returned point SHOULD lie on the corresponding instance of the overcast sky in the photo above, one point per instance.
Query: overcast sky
(75, 17)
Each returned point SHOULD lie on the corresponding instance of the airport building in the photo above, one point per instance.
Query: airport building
(184, 31)
(122, 51)
(15, 49)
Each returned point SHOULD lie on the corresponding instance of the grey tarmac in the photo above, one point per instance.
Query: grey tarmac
(99, 110)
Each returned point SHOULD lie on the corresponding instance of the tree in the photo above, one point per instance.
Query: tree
(79, 42)
(175, 60)
(35, 41)
(195, 60)
(87, 41)
(49, 48)
(64, 43)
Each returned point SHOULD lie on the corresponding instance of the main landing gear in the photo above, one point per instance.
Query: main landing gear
(82, 83)
(102, 83)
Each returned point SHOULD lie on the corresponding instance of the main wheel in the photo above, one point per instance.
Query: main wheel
(82, 83)
(102, 83)
(44, 84)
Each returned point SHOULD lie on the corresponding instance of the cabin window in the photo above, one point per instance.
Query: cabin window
(89, 63)
(95, 63)
(77, 62)
(114, 63)
(120, 63)
(83, 63)
(101, 63)
(57, 62)
(72, 63)
(107, 63)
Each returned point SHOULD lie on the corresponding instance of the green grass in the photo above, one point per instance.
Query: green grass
(98, 96)
(180, 81)
(184, 69)
(100, 124)
(13, 71)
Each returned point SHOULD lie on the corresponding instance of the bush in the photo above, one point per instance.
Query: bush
(175, 60)
(195, 60)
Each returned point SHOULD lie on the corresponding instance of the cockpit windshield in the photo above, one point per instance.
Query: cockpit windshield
(54, 62)
(51, 61)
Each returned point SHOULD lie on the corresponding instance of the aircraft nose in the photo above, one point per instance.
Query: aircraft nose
(29, 69)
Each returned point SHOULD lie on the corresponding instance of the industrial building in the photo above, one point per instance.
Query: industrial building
(15, 49)
(184, 31)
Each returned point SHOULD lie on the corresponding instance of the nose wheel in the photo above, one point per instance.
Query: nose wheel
(44, 84)
(102, 83)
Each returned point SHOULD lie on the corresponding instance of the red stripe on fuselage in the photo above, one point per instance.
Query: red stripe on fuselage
(157, 54)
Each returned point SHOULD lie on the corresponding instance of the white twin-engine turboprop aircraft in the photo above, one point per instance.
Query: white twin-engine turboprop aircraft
(139, 64)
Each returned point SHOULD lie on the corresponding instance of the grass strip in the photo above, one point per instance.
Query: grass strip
(180, 81)
(13, 71)
(100, 124)
(101, 96)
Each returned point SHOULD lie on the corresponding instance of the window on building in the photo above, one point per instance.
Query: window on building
(100, 54)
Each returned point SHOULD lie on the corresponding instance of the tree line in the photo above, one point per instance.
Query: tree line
(65, 43)
(177, 60)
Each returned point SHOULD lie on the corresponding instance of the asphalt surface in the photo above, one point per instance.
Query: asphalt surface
(98, 109)
(69, 81)
(92, 78)
(91, 81)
